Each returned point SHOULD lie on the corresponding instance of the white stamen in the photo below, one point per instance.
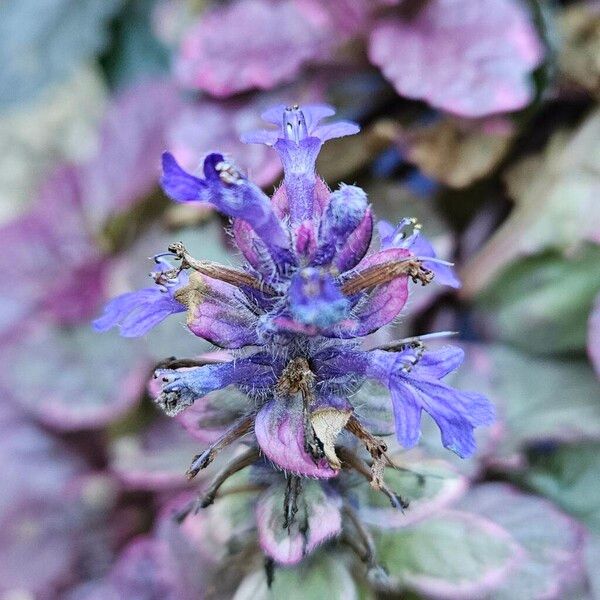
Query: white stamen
(431, 259)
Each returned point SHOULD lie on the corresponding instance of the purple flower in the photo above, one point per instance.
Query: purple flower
(296, 125)
(414, 383)
(315, 299)
(136, 313)
(297, 310)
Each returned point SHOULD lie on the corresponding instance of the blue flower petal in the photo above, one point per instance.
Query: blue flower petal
(136, 313)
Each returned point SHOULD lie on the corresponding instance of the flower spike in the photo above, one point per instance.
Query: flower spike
(313, 285)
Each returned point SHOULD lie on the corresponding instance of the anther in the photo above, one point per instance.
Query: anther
(228, 173)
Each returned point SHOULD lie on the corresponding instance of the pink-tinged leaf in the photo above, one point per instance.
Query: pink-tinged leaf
(594, 336)
(155, 459)
(468, 58)
(454, 555)
(318, 519)
(552, 541)
(126, 166)
(249, 44)
(280, 433)
(199, 545)
(209, 126)
(208, 417)
(428, 485)
(345, 17)
(74, 381)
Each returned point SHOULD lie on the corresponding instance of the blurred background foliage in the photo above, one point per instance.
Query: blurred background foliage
(490, 135)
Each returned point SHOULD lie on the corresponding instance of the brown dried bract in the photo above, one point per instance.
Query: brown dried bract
(217, 271)
(386, 272)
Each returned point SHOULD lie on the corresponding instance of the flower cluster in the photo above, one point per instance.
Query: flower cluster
(292, 320)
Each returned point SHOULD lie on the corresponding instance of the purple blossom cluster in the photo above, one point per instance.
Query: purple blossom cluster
(292, 318)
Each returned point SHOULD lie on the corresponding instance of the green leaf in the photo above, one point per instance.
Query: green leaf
(537, 399)
(541, 304)
(60, 124)
(427, 484)
(569, 476)
(454, 554)
(136, 51)
(323, 577)
(556, 204)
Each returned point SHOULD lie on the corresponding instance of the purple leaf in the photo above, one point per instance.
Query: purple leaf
(49, 502)
(126, 166)
(468, 58)
(61, 269)
(249, 44)
(44, 524)
(143, 571)
(32, 462)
